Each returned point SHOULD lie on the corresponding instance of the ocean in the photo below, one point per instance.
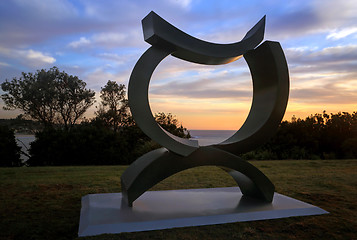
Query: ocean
(24, 141)
(208, 137)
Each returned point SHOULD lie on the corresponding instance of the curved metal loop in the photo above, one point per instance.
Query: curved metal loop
(159, 32)
(157, 165)
(139, 103)
(270, 77)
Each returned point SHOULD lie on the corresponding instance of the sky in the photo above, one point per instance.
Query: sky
(102, 40)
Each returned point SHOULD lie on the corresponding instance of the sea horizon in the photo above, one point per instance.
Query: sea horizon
(208, 137)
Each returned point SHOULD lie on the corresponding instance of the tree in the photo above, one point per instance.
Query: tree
(73, 99)
(9, 150)
(325, 136)
(340, 130)
(48, 96)
(171, 124)
(32, 93)
(113, 110)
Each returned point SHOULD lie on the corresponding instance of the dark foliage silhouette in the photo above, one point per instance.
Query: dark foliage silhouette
(319, 136)
(9, 151)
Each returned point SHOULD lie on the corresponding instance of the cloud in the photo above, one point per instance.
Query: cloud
(336, 53)
(175, 78)
(181, 3)
(318, 76)
(126, 60)
(83, 41)
(323, 76)
(338, 34)
(28, 57)
(330, 59)
(35, 56)
(334, 14)
(305, 19)
(300, 21)
(118, 59)
(110, 40)
(203, 93)
(49, 9)
(27, 22)
(327, 76)
(4, 64)
(214, 87)
(98, 77)
(329, 94)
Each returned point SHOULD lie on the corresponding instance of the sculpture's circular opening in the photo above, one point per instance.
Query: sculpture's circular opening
(267, 66)
(203, 97)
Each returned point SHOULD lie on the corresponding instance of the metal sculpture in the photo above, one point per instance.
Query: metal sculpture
(270, 77)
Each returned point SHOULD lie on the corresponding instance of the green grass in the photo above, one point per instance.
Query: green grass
(45, 202)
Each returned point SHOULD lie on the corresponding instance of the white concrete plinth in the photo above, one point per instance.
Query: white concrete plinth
(104, 213)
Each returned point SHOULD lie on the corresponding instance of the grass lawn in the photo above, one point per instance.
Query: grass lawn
(45, 202)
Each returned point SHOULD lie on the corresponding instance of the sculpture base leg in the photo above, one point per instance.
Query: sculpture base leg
(154, 210)
(157, 165)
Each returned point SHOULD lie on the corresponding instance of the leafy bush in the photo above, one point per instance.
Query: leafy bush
(319, 136)
(89, 144)
(9, 150)
(349, 147)
(82, 145)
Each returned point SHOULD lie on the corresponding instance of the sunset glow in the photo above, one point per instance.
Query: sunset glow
(101, 41)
